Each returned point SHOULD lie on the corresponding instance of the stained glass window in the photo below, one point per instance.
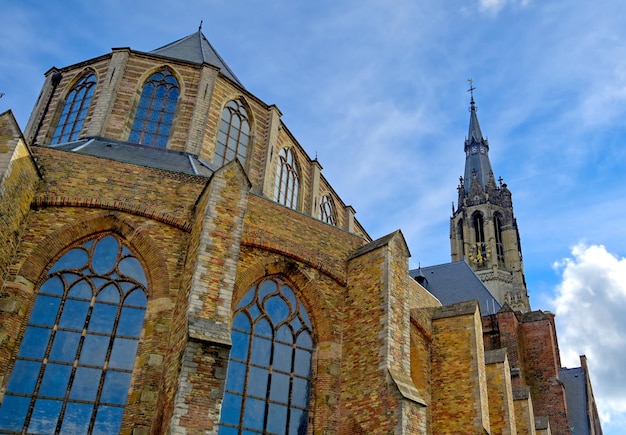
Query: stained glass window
(269, 370)
(75, 110)
(155, 112)
(73, 369)
(286, 188)
(327, 210)
(233, 135)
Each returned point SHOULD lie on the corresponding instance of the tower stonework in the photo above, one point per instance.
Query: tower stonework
(483, 228)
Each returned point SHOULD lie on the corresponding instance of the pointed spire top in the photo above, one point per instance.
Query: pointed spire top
(471, 90)
(474, 135)
(200, 26)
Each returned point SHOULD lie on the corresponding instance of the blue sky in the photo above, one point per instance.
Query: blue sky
(378, 91)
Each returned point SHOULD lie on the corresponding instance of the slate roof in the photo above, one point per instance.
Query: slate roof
(196, 48)
(143, 155)
(576, 397)
(456, 282)
(476, 161)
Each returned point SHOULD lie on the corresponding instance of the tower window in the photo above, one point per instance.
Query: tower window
(327, 210)
(73, 369)
(233, 135)
(269, 370)
(155, 112)
(479, 228)
(286, 188)
(75, 110)
(497, 224)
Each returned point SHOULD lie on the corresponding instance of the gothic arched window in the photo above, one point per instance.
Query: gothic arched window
(75, 110)
(479, 228)
(327, 210)
(234, 134)
(269, 369)
(286, 188)
(155, 112)
(461, 235)
(497, 224)
(73, 369)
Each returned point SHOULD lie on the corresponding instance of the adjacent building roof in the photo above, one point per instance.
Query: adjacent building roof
(196, 48)
(143, 155)
(576, 397)
(456, 282)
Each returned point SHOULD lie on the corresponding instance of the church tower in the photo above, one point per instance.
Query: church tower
(483, 228)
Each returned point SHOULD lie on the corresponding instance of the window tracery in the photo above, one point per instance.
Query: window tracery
(155, 113)
(269, 369)
(75, 110)
(286, 189)
(73, 368)
(327, 210)
(233, 135)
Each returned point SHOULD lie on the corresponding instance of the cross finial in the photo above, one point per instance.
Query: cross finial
(200, 26)
(471, 89)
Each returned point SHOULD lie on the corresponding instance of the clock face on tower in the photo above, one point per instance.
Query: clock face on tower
(479, 253)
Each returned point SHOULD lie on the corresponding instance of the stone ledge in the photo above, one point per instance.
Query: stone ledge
(406, 387)
(209, 331)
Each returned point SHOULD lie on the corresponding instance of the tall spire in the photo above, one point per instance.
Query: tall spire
(476, 150)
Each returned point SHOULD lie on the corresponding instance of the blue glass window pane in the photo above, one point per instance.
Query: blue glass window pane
(53, 286)
(296, 324)
(74, 259)
(305, 316)
(304, 340)
(35, 342)
(254, 312)
(263, 328)
(134, 135)
(240, 345)
(110, 293)
(136, 298)
(302, 363)
(242, 322)
(81, 290)
(291, 297)
(298, 422)
(282, 357)
(105, 255)
(115, 387)
(131, 268)
(231, 408)
(55, 380)
(261, 350)
(285, 334)
(102, 318)
(94, 350)
(161, 91)
(254, 414)
(13, 412)
(225, 430)
(277, 423)
(76, 419)
(279, 389)
(85, 384)
(266, 288)
(45, 416)
(300, 394)
(64, 346)
(148, 138)
(151, 127)
(108, 420)
(74, 314)
(257, 382)
(70, 278)
(236, 376)
(123, 354)
(277, 309)
(24, 377)
(131, 321)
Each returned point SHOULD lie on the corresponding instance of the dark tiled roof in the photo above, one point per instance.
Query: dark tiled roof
(143, 155)
(456, 282)
(576, 397)
(196, 48)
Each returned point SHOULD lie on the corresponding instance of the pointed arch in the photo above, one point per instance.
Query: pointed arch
(286, 189)
(478, 223)
(75, 108)
(154, 116)
(328, 213)
(73, 369)
(497, 226)
(270, 365)
(234, 133)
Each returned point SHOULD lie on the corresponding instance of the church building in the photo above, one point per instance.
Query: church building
(172, 261)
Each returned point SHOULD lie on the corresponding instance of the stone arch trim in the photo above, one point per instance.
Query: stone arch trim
(136, 209)
(50, 249)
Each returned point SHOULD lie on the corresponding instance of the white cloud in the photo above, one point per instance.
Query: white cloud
(495, 6)
(590, 303)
